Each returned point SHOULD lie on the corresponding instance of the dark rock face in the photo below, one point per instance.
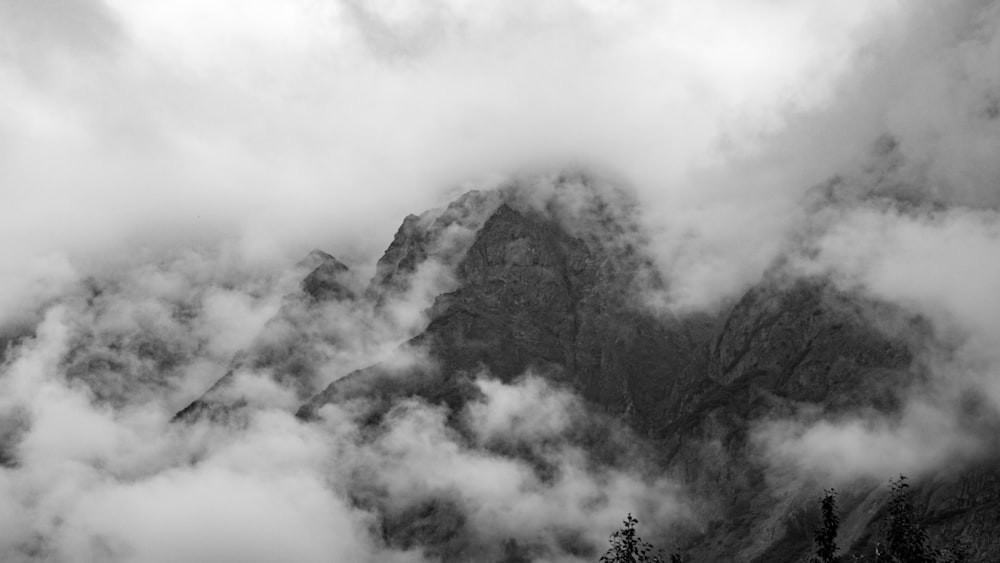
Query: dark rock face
(493, 319)
(966, 506)
(408, 248)
(330, 279)
(807, 343)
(781, 347)
(531, 296)
(12, 426)
(443, 235)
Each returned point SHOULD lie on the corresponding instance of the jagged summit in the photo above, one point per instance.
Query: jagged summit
(330, 279)
(584, 205)
(587, 226)
(314, 259)
(441, 234)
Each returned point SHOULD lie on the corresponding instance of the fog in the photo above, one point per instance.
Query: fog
(100, 473)
(165, 165)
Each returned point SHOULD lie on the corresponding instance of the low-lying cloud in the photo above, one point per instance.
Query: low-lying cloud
(938, 265)
(95, 469)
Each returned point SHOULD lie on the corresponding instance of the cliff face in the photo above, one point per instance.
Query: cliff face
(537, 288)
(781, 348)
(442, 236)
(532, 296)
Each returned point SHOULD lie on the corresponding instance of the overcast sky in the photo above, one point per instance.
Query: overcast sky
(290, 124)
(279, 126)
(270, 127)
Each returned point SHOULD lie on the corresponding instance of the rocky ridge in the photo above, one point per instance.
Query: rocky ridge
(554, 284)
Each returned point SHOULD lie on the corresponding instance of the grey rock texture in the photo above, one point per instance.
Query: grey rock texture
(329, 279)
(443, 235)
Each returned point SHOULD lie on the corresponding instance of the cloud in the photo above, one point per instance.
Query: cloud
(281, 126)
(38, 32)
(95, 470)
(305, 124)
(937, 264)
(917, 79)
(561, 512)
(912, 223)
(924, 438)
(529, 412)
(91, 480)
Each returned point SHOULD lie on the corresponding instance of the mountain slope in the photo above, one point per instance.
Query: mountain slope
(556, 285)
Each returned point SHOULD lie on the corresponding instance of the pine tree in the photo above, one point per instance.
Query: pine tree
(628, 547)
(826, 535)
(907, 539)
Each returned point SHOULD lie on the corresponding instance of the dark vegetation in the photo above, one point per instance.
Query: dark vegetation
(826, 535)
(901, 537)
(628, 547)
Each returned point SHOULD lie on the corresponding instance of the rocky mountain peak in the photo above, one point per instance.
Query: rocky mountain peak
(329, 279)
(548, 278)
(314, 259)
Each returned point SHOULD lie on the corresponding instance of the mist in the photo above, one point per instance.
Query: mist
(166, 166)
(97, 471)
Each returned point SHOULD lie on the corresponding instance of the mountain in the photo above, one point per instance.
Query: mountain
(278, 348)
(559, 283)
